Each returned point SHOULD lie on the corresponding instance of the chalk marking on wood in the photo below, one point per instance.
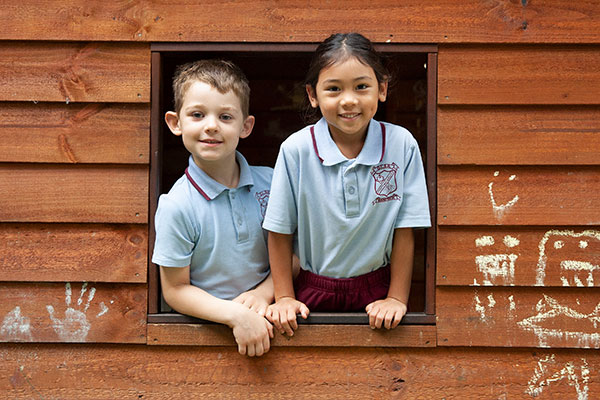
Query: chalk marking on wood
(570, 265)
(511, 242)
(501, 209)
(583, 244)
(491, 301)
(479, 308)
(16, 327)
(512, 307)
(549, 309)
(74, 327)
(497, 265)
(547, 372)
(484, 241)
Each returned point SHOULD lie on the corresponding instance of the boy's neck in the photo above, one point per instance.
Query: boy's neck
(226, 172)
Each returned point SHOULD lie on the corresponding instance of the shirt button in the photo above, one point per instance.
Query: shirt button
(351, 189)
(239, 221)
(233, 195)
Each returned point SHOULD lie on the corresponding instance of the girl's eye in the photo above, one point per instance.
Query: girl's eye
(362, 86)
(332, 89)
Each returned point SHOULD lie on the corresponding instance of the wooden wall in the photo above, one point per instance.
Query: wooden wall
(518, 229)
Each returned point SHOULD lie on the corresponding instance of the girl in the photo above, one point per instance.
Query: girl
(351, 189)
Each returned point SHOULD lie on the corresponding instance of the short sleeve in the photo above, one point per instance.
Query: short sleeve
(414, 211)
(175, 235)
(281, 215)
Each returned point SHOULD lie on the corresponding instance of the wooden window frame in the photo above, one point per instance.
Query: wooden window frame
(350, 329)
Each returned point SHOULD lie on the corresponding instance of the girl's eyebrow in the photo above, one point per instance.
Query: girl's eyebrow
(360, 78)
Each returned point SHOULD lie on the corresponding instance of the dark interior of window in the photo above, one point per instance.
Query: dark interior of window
(278, 102)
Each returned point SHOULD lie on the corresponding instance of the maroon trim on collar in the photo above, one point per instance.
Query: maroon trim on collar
(382, 141)
(194, 184)
(312, 134)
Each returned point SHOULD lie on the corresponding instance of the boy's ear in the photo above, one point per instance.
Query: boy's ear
(247, 127)
(172, 121)
(312, 96)
(383, 88)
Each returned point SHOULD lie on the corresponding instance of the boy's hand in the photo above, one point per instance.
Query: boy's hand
(252, 333)
(253, 301)
(283, 314)
(387, 312)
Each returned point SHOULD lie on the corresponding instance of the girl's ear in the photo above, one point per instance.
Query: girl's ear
(383, 87)
(247, 127)
(312, 96)
(172, 121)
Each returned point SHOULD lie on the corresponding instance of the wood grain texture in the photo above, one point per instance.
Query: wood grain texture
(519, 256)
(560, 195)
(518, 135)
(518, 75)
(73, 72)
(167, 372)
(73, 312)
(73, 252)
(64, 193)
(306, 335)
(74, 133)
(518, 317)
(294, 20)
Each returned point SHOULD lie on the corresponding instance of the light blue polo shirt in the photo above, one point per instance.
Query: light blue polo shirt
(216, 230)
(343, 211)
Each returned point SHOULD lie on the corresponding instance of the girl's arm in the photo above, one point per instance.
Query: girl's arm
(389, 311)
(283, 312)
(251, 331)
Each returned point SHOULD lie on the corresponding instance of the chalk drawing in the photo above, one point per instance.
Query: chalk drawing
(550, 312)
(16, 327)
(579, 271)
(512, 307)
(501, 209)
(549, 371)
(74, 327)
(500, 266)
(479, 307)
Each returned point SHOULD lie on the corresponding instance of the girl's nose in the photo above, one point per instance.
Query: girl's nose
(348, 99)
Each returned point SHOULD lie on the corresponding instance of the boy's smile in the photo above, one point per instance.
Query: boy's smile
(211, 124)
(347, 94)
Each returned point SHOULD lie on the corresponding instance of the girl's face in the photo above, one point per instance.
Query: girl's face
(347, 93)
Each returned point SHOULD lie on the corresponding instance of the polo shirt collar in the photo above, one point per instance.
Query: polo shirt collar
(329, 154)
(208, 187)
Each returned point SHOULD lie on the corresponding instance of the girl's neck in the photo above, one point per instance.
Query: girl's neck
(349, 145)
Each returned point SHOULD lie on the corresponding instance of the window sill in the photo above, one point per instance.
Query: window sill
(321, 330)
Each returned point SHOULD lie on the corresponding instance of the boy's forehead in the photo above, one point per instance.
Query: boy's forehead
(200, 90)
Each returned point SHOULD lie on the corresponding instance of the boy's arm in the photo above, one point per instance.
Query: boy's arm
(259, 298)
(250, 330)
(389, 311)
(283, 312)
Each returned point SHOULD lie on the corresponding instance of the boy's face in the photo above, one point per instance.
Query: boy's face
(211, 124)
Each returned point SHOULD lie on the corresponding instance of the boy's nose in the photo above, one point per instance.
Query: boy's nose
(211, 123)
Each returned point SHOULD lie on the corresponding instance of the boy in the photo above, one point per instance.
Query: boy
(210, 245)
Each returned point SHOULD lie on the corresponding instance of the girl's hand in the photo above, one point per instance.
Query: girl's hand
(253, 301)
(387, 312)
(252, 333)
(283, 314)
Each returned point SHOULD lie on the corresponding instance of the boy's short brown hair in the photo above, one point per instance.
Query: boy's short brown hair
(220, 74)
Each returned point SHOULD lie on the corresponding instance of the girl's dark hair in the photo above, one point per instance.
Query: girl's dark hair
(338, 48)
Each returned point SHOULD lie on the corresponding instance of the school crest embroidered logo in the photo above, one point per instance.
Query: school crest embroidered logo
(263, 199)
(385, 182)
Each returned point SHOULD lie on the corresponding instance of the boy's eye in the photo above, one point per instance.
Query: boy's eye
(197, 114)
(226, 117)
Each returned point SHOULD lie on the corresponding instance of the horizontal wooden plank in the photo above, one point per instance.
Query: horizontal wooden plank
(306, 335)
(560, 195)
(518, 256)
(503, 135)
(74, 133)
(518, 317)
(518, 75)
(82, 193)
(424, 21)
(166, 372)
(73, 252)
(73, 72)
(72, 312)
